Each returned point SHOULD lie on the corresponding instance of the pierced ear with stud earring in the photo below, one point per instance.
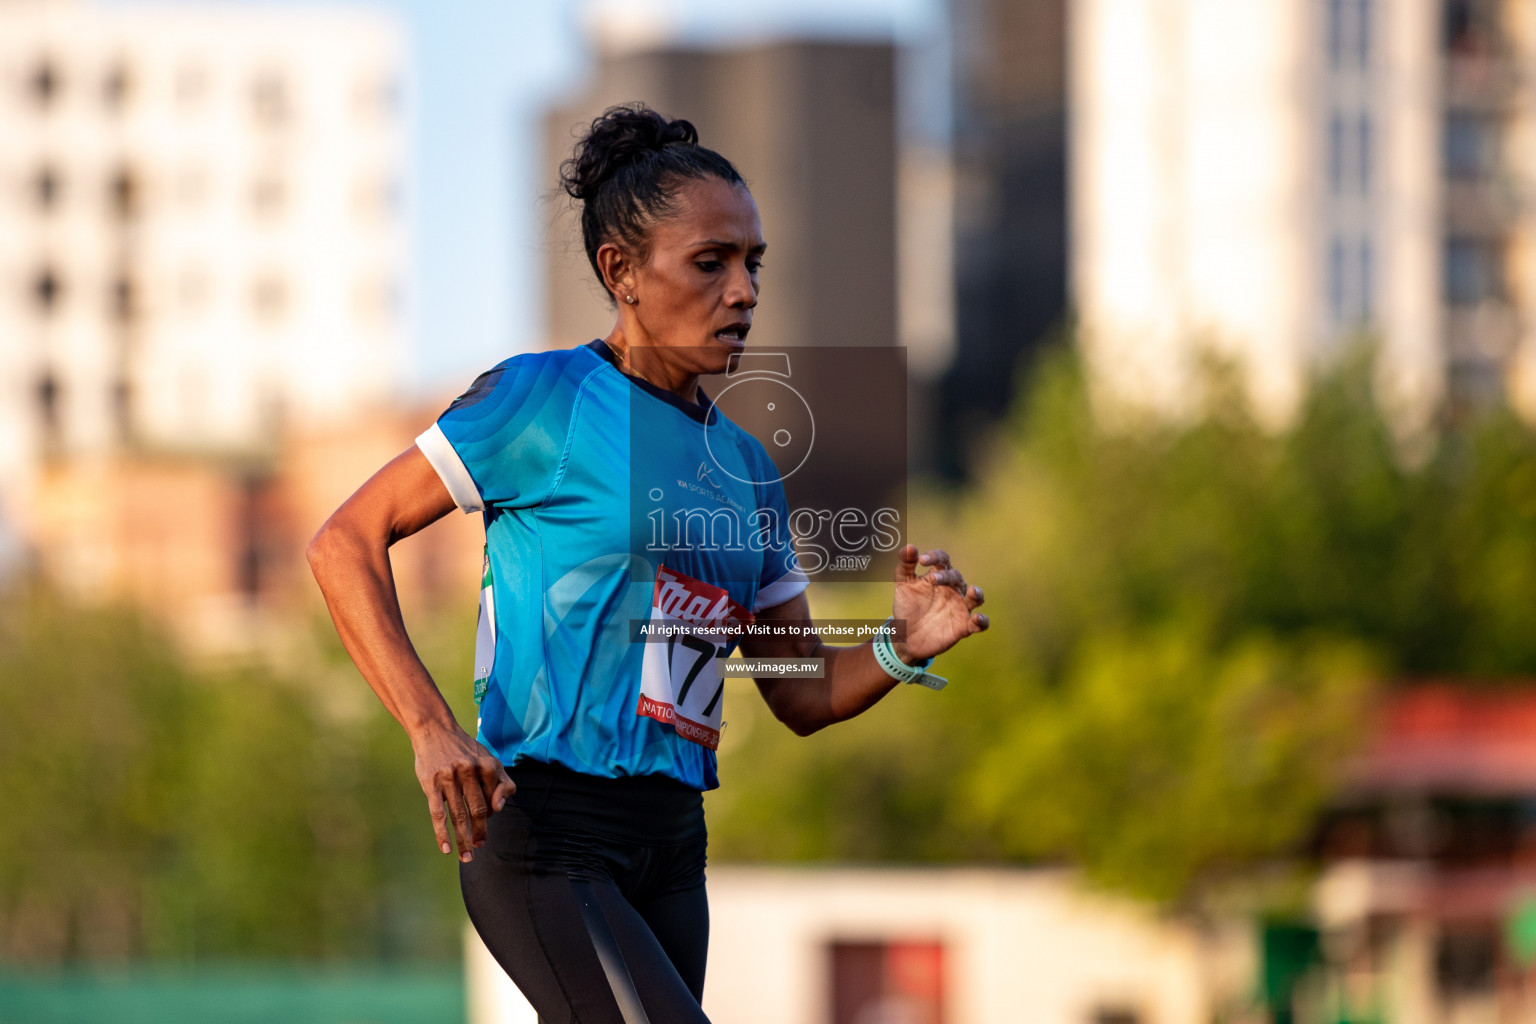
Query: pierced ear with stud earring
(629, 299)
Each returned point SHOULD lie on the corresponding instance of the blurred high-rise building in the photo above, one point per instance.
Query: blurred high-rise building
(1270, 179)
(200, 226)
(1010, 224)
(812, 127)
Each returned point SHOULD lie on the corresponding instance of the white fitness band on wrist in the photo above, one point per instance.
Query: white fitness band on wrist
(885, 655)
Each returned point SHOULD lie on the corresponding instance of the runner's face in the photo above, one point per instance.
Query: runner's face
(697, 290)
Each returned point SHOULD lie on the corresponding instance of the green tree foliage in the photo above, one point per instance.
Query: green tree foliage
(153, 811)
(1189, 623)
(1160, 754)
(91, 709)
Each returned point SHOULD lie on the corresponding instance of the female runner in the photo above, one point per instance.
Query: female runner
(589, 886)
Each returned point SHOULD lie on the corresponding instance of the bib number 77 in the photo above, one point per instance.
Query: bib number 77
(680, 681)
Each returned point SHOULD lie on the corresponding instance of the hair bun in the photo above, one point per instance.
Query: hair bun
(625, 172)
(619, 136)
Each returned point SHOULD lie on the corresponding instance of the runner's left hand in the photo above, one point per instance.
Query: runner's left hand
(939, 606)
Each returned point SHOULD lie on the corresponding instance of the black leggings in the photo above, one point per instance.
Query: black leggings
(590, 894)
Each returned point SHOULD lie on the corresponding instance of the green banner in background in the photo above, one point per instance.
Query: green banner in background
(235, 996)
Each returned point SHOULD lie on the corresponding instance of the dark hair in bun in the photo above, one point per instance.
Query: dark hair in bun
(626, 170)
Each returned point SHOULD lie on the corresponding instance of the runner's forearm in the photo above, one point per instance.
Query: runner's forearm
(355, 576)
(853, 682)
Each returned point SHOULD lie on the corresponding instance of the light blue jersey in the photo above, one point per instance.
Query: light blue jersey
(608, 501)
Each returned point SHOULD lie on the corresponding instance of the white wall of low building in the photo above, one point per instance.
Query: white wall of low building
(1025, 945)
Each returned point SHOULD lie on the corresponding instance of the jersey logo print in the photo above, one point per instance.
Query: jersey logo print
(478, 391)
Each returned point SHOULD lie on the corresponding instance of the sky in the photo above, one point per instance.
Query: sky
(481, 73)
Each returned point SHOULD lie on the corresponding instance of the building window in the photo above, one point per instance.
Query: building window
(1336, 159)
(1473, 271)
(1364, 132)
(376, 97)
(1470, 144)
(114, 88)
(48, 402)
(45, 83)
(270, 100)
(1367, 281)
(46, 187)
(1351, 141)
(268, 195)
(1464, 35)
(123, 299)
(375, 199)
(1349, 34)
(1336, 33)
(269, 298)
(124, 193)
(1466, 960)
(1363, 33)
(249, 574)
(887, 981)
(121, 401)
(1351, 281)
(47, 290)
(1114, 1014)
(1338, 291)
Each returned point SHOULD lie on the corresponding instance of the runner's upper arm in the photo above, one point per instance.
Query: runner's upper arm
(403, 497)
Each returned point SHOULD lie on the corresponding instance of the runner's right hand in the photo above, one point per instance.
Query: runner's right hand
(463, 781)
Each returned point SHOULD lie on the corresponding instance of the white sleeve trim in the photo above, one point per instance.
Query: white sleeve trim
(791, 584)
(434, 444)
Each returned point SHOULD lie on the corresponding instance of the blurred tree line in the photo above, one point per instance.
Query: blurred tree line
(186, 816)
(1189, 624)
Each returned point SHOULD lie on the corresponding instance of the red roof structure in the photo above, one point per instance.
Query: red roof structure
(1453, 740)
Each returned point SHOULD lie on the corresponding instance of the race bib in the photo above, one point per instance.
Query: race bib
(680, 680)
